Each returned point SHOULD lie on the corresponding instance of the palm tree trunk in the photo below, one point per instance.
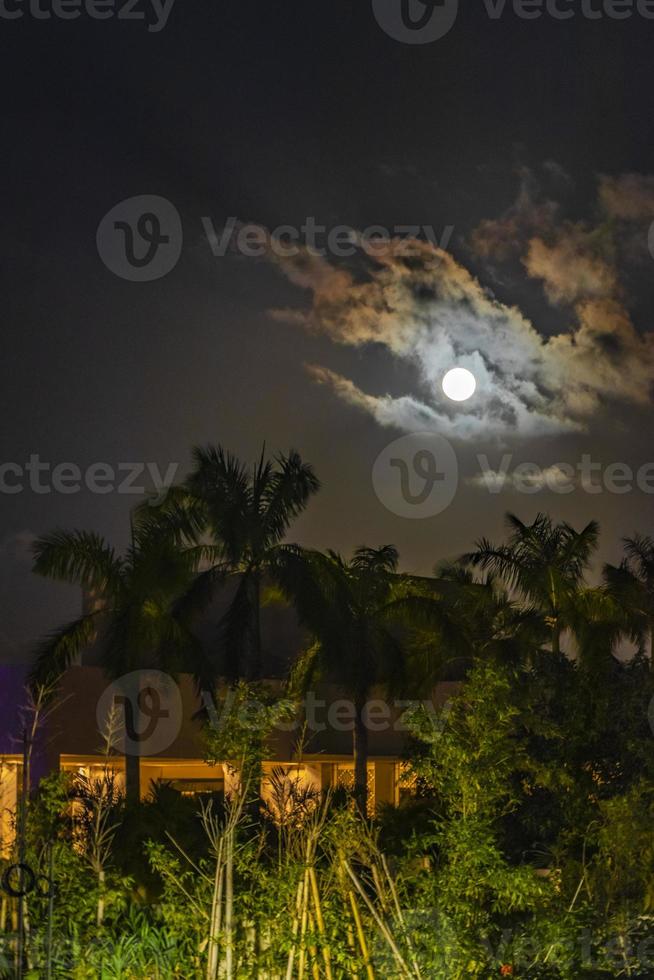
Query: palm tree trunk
(360, 752)
(129, 699)
(253, 665)
(132, 777)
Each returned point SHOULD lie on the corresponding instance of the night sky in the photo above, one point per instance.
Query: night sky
(532, 138)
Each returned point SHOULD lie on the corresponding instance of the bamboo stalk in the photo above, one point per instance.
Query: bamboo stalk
(296, 929)
(214, 925)
(400, 917)
(320, 921)
(303, 924)
(370, 973)
(383, 928)
(229, 906)
(313, 952)
(345, 891)
(379, 888)
(50, 919)
(308, 857)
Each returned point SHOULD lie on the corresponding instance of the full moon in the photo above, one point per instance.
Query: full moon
(459, 384)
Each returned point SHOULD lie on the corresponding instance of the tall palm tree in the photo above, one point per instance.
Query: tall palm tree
(343, 605)
(495, 625)
(632, 586)
(134, 621)
(598, 622)
(246, 514)
(454, 619)
(545, 563)
(354, 612)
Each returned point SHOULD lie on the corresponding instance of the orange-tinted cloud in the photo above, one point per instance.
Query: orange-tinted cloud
(427, 309)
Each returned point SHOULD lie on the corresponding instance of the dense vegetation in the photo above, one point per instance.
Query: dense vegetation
(525, 847)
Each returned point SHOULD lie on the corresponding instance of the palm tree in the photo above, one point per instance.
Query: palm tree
(246, 514)
(351, 609)
(134, 620)
(632, 586)
(343, 605)
(545, 563)
(495, 626)
(598, 622)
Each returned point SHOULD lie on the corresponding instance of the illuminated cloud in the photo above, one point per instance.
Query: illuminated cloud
(629, 197)
(571, 266)
(498, 239)
(428, 310)
(557, 477)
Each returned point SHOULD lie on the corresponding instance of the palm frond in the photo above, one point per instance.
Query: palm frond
(383, 559)
(286, 493)
(181, 514)
(220, 482)
(62, 648)
(640, 556)
(200, 593)
(80, 558)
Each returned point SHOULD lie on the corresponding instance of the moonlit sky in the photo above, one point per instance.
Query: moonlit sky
(531, 138)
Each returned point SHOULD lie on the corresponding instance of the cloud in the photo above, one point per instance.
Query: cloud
(628, 197)
(529, 478)
(571, 266)
(501, 238)
(429, 311)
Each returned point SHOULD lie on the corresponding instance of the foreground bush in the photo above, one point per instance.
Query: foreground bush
(521, 855)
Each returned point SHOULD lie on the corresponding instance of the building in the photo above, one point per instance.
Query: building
(165, 722)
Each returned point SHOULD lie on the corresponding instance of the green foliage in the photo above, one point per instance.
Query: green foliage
(527, 850)
(471, 761)
(245, 718)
